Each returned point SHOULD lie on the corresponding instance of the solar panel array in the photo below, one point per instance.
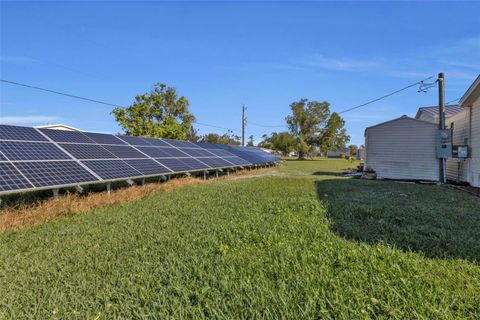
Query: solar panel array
(32, 158)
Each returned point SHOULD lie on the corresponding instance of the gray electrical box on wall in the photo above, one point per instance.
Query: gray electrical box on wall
(444, 144)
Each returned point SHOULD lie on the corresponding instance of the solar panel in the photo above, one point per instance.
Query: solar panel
(237, 160)
(22, 150)
(102, 138)
(28, 159)
(156, 142)
(54, 173)
(11, 178)
(180, 143)
(112, 169)
(176, 165)
(135, 141)
(147, 166)
(194, 163)
(66, 136)
(196, 152)
(221, 152)
(216, 162)
(87, 151)
(155, 152)
(124, 152)
(20, 133)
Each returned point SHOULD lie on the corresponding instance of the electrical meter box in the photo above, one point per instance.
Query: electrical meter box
(461, 152)
(444, 143)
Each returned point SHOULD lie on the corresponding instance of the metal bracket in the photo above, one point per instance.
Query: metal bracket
(130, 182)
(79, 188)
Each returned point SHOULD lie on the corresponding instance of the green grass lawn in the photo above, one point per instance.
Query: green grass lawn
(298, 242)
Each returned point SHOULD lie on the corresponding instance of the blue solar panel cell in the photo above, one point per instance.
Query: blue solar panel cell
(156, 142)
(175, 165)
(112, 169)
(196, 152)
(180, 143)
(22, 150)
(155, 152)
(236, 160)
(54, 173)
(135, 141)
(20, 133)
(66, 136)
(221, 152)
(147, 167)
(102, 138)
(87, 151)
(11, 178)
(124, 152)
(195, 163)
(216, 162)
(2, 158)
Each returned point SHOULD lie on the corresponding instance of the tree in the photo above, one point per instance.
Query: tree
(160, 113)
(250, 141)
(227, 138)
(306, 123)
(283, 142)
(353, 150)
(334, 136)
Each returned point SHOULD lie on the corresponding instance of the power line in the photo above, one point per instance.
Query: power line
(267, 126)
(59, 93)
(386, 96)
(453, 100)
(94, 100)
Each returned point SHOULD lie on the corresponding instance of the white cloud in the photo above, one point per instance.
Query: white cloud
(323, 62)
(29, 119)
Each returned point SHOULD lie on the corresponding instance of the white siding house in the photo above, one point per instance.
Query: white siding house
(402, 149)
(466, 130)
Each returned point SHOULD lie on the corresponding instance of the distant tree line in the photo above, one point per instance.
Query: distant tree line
(162, 113)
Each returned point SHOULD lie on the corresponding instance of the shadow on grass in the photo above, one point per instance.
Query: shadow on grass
(437, 222)
(328, 173)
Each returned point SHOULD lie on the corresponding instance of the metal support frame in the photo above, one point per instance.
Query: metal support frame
(109, 188)
(205, 175)
(130, 182)
(55, 192)
(79, 189)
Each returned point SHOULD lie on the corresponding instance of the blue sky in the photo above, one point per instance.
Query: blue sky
(221, 55)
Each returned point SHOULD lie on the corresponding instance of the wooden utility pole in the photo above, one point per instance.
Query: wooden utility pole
(244, 121)
(441, 122)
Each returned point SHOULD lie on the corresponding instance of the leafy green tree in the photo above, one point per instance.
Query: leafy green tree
(250, 141)
(305, 123)
(353, 150)
(227, 138)
(282, 141)
(161, 113)
(334, 135)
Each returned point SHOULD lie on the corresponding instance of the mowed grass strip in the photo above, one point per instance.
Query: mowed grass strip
(265, 247)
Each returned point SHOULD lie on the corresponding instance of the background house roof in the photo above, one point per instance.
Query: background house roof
(450, 110)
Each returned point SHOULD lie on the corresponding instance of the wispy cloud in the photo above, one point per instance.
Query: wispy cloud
(35, 119)
(339, 64)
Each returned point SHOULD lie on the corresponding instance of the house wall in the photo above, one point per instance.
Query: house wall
(403, 149)
(457, 169)
(474, 165)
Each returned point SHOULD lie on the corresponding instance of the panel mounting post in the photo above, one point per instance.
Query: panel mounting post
(79, 189)
(162, 178)
(130, 182)
(143, 181)
(216, 173)
(109, 188)
(205, 175)
(55, 192)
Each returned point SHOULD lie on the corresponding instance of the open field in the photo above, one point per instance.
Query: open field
(299, 241)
